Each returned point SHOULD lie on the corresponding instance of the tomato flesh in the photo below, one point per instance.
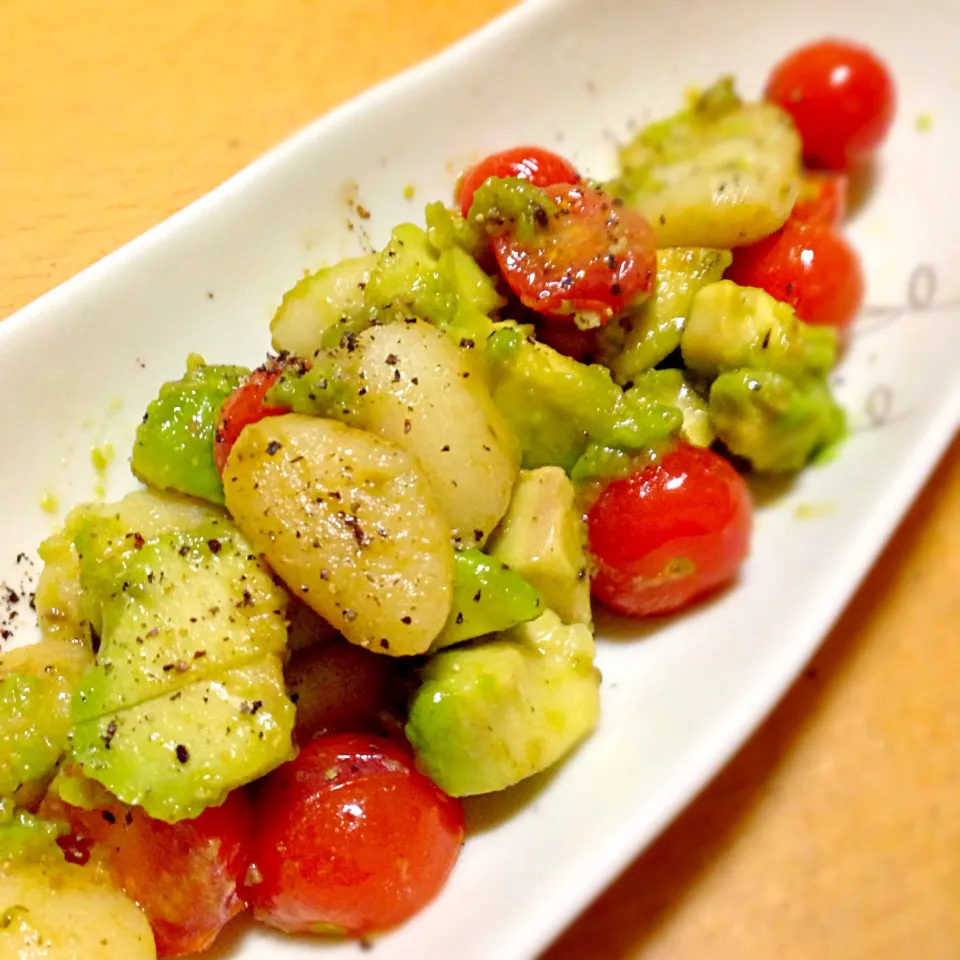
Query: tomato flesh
(593, 257)
(245, 406)
(541, 167)
(808, 266)
(841, 97)
(670, 533)
(185, 876)
(350, 838)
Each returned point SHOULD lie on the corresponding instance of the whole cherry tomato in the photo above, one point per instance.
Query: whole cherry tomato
(592, 257)
(669, 533)
(350, 838)
(808, 266)
(541, 167)
(841, 97)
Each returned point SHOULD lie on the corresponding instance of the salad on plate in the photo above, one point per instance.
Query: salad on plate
(357, 585)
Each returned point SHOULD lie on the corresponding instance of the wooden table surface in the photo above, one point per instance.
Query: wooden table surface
(835, 833)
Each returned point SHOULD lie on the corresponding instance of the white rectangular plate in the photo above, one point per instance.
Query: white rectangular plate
(78, 366)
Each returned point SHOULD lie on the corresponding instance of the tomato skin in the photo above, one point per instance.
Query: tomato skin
(822, 200)
(594, 255)
(351, 838)
(541, 167)
(243, 407)
(670, 533)
(185, 876)
(808, 266)
(841, 97)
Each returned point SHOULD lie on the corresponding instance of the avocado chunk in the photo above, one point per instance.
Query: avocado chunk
(173, 449)
(317, 311)
(720, 173)
(731, 327)
(557, 406)
(26, 837)
(170, 606)
(672, 387)
(447, 287)
(36, 687)
(487, 597)
(177, 755)
(650, 331)
(775, 423)
(541, 538)
(489, 715)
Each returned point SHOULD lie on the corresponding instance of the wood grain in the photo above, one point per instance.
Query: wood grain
(835, 833)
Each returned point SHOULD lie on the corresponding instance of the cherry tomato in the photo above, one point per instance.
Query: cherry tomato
(185, 876)
(822, 200)
(669, 533)
(245, 406)
(594, 255)
(808, 266)
(338, 687)
(841, 98)
(350, 838)
(541, 167)
(567, 339)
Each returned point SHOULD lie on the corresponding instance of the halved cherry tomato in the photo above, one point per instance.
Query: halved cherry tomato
(592, 257)
(808, 266)
(669, 533)
(185, 876)
(245, 406)
(822, 200)
(841, 97)
(541, 167)
(350, 838)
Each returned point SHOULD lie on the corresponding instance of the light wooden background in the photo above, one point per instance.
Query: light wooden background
(835, 833)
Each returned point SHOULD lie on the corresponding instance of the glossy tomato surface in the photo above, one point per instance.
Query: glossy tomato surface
(350, 838)
(808, 266)
(541, 167)
(669, 533)
(185, 876)
(593, 256)
(841, 97)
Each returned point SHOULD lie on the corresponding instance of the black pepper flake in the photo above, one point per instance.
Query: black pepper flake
(540, 217)
(615, 289)
(214, 545)
(478, 535)
(460, 618)
(766, 341)
(183, 754)
(384, 643)
(415, 381)
(199, 654)
(128, 818)
(184, 550)
(406, 620)
(396, 376)
(406, 426)
(294, 697)
(467, 343)
(273, 447)
(445, 448)
(110, 733)
(167, 667)
(391, 359)
(108, 816)
(476, 597)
